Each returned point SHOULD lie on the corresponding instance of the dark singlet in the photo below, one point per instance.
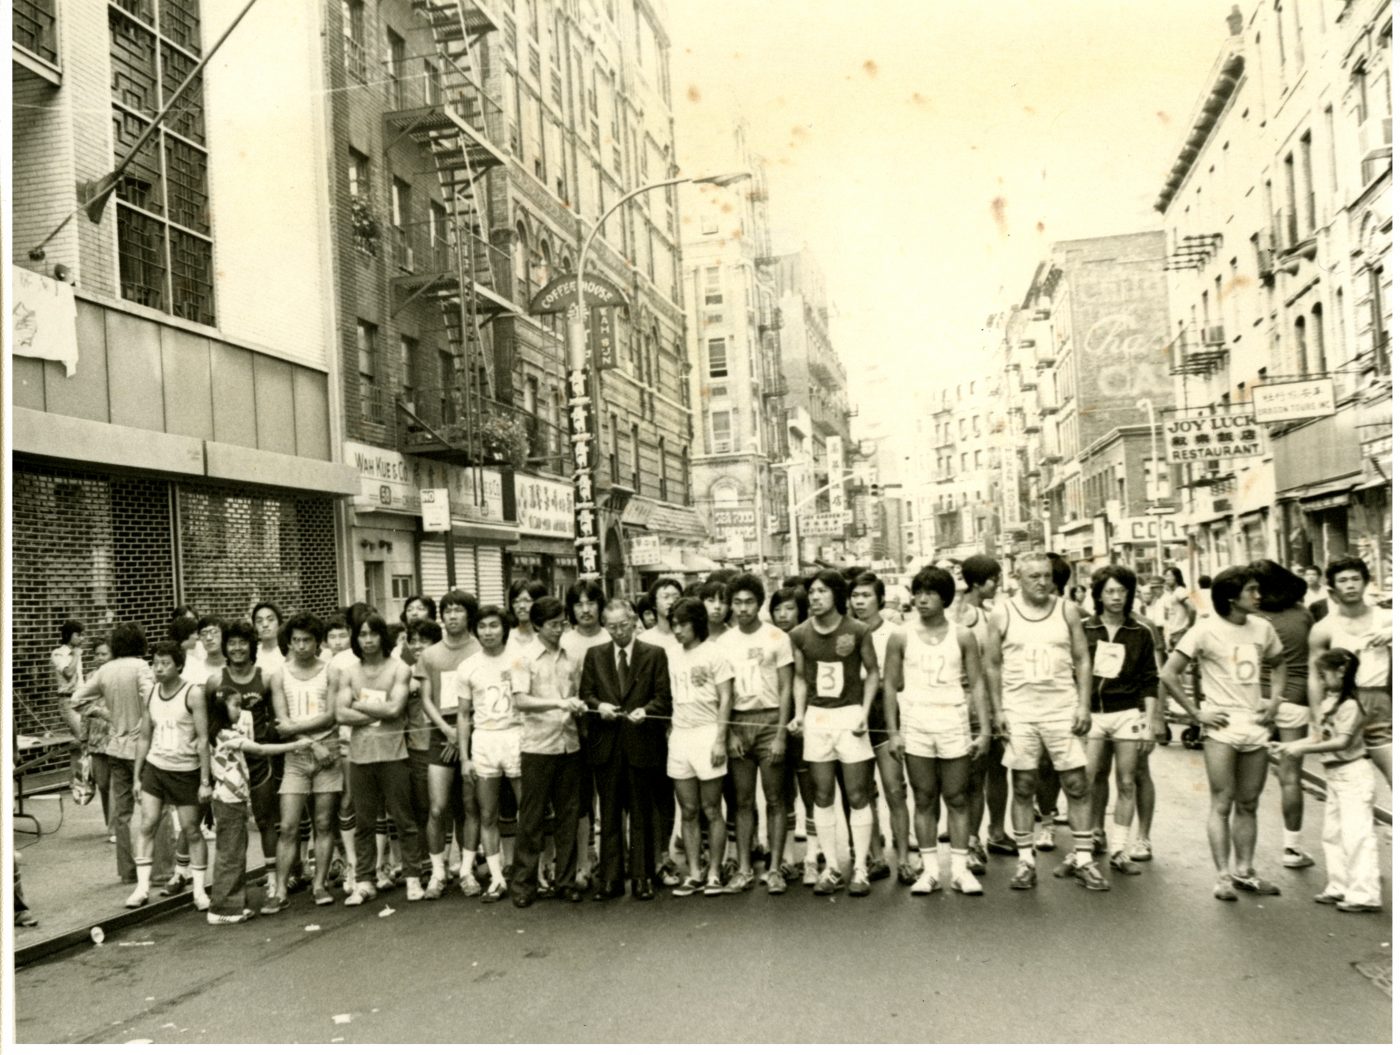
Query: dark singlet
(831, 662)
(255, 720)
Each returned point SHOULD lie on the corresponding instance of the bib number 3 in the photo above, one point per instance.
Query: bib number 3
(831, 679)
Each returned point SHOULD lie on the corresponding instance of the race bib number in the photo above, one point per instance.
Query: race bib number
(1245, 664)
(167, 737)
(495, 701)
(1108, 659)
(304, 703)
(1040, 663)
(831, 679)
(933, 668)
(450, 693)
(373, 696)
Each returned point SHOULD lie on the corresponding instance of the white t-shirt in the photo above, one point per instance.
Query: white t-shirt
(1232, 658)
(577, 644)
(695, 677)
(486, 684)
(755, 659)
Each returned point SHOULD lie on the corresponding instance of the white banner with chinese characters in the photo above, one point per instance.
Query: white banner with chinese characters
(835, 468)
(544, 507)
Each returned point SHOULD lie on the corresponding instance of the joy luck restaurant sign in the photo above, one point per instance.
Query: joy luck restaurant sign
(1211, 437)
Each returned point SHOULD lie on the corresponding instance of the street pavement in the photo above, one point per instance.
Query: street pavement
(1154, 960)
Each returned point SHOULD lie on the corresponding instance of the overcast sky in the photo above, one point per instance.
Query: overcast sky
(930, 151)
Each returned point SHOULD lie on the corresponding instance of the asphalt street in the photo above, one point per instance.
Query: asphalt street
(1155, 959)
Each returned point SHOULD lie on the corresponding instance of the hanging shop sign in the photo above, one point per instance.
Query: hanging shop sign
(392, 482)
(835, 468)
(741, 522)
(437, 513)
(1208, 437)
(832, 523)
(544, 507)
(604, 337)
(561, 295)
(644, 549)
(1294, 401)
(1144, 529)
(586, 525)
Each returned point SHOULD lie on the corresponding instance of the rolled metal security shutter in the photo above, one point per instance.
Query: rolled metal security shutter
(432, 558)
(490, 575)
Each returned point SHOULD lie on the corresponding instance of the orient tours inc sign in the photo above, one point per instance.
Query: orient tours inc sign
(1211, 437)
(1294, 400)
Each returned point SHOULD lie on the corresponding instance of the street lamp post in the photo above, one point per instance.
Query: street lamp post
(1153, 496)
(584, 380)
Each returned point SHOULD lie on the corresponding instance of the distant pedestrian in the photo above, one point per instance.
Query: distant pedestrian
(67, 663)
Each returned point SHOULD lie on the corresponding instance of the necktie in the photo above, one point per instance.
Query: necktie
(624, 669)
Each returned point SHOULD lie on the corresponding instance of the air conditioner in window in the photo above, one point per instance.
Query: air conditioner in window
(1213, 335)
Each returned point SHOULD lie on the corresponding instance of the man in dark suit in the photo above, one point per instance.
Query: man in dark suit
(627, 687)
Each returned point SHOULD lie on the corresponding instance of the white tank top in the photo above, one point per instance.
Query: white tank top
(1374, 669)
(172, 731)
(1037, 672)
(933, 673)
(307, 699)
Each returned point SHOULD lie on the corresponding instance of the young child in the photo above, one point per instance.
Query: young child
(1348, 826)
(231, 802)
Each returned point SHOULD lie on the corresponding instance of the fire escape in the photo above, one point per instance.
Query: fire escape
(449, 258)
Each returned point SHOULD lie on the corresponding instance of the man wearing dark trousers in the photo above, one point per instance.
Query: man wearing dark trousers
(627, 687)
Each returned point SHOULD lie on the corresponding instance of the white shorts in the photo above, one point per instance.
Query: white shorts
(1243, 733)
(1291, 716)
(1120, 725)
(496, 752)
(936, 732)
(1029, 737)
(827, 736)
(688, 754)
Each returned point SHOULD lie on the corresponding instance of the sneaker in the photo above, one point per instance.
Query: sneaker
(1065, 869)
(669, 874)
(908, 874)
(1293, 858)
(1252, 884)
(976, 865)
(471, 888)
(1025, 877)
(1002, 847)
(829, 882)
(860, 882)
(25, 918)
(791, 871)
(436, 885)
(492, 894)
(729, 869)
(177, 885)
(879, 868)
(687, 886)
(976, 852)
(363, 892)
(1224, 890)
(714, 885)
(321, 896)
(1356, 906)
(215, 919)
(1328, 898)
(741, 883)
(274, 905)
(384, 880)
(1141, 851)
(138, 898)
(200, 900)
(924, 885)
(1100, 843)
(415, 889)
(966, 884)
(1045, 839)
(1121, 862)
(810, 873)
(348, 886)
(777, 884)
(1090, 878)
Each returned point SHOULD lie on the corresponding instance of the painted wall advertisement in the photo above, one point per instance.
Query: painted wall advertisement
(392, 482)
(544, 507)
(1212, 437)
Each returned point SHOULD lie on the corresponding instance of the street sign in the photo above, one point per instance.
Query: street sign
(1208, 437)
(1294, 401)
(833, 523)
(437, 514)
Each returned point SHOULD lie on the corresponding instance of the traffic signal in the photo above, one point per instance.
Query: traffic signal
(875, 492)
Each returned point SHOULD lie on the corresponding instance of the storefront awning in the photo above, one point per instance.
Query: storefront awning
(664, 518)
(1319, 493)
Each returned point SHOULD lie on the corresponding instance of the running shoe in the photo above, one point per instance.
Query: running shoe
(1121, 862)
(1090, 878)
(25, 918)
(976, 852)
(1100, 842)
(729, 869)
(926, 884)
(1141, 851)
(1066, 868)
(216, 919)
(1025, 878)
(384, 880)
(1294, 858)
(777, 884)
(472, 888)
(829, 882)
(908, 874)
(201, 901)
(1045, 839)
(321, 896)
(714, 885)
(436, 886)
(860, 882)
(1002, 847)
(274, 905)
(363, 892)
(878, 868)
(1329, 898)
(137, 899)
(669, 875)
(810, 873)
(741, 883)
(966, 884)
(1356, 906)
(1252, 884)
(791, 871)
(415, 889)
(493, 893)
(1224, 890)
(689, 885)
(177, 885)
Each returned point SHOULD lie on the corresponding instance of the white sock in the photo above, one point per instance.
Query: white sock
(930, 859)
(143, 877)
(381, 850)
(813, 847)
(1118, 836)
(493, 862)
(959, 861)
(1291, 839)
(439, 864)
(826, 833)
(862, 827)
(197, 874)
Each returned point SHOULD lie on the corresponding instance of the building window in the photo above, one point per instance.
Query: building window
(352, 17)
(1380, 335)
(394, 55)
(367, 357)
(719, 357)
(685, 475)
(163, 237)
(713, 293)
(661, 457)
(614, 469)
(437, 237)
(408, 359)
(636, 459)
(721, 438)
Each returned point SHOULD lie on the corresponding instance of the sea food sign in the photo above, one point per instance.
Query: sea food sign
(1210, 437)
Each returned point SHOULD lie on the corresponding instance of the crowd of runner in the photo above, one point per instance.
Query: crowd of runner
(569, 748)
